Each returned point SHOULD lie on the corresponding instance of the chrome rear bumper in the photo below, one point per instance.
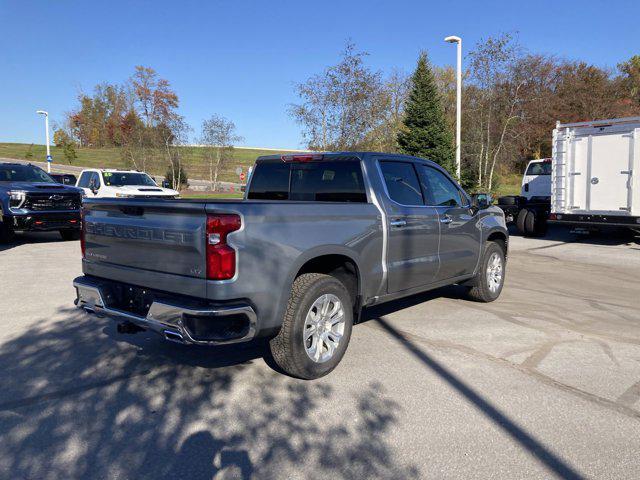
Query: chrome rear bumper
(165, 318)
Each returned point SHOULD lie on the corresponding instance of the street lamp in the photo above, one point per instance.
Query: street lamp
(458, 40)
(46, 127)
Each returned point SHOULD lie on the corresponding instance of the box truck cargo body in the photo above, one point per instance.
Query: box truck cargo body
(595, 179)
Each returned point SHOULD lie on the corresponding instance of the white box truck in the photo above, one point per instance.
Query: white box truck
(595, 177)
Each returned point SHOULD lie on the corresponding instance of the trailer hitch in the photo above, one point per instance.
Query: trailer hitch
(129, 327)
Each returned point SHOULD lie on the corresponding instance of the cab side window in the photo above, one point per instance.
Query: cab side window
(84, 180)
(439, 190)
(402, 183)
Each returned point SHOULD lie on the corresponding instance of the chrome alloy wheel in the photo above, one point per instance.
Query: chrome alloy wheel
(323, 328)
(494, 272)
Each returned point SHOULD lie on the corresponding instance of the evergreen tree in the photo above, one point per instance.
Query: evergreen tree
(425, 133)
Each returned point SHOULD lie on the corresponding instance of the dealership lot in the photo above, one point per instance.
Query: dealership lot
(543, 382)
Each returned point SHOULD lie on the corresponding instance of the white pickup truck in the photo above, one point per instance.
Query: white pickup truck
(112, 183)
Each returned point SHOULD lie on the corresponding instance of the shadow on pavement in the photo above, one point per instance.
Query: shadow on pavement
(23, 238)
(536, 449)
(74, 403)
(610, 237)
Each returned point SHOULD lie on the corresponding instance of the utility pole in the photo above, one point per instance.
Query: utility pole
(458, 40)
(46, 128)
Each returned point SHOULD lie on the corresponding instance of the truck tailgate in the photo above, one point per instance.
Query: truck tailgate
(155, 235)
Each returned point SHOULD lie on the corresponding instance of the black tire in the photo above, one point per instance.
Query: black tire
(535, 225)
(481, 291)
(520, 221)
(508, 200)
(288, 348)
(70, 234)
(6, 233)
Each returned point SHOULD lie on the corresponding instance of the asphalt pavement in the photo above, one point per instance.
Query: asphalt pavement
(544, 382)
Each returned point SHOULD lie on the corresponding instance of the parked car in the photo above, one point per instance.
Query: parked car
(111, 183)
(317, 238)
(30, 200)
(64, 178)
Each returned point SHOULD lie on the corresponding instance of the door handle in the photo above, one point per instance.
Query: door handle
(446, 219)
(398, 223)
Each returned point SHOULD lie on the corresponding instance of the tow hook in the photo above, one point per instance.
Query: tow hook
(129, 327)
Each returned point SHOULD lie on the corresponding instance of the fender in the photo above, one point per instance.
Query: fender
(316, 252)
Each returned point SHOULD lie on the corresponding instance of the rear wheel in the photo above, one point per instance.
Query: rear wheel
(490, 279)
(316, 328)
(70, 234)
(535, 224)
(520, 221)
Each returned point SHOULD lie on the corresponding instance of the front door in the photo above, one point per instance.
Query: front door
(412, 249)
(460, 235)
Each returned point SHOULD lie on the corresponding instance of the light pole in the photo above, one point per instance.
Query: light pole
(458, 40)
(46, 127)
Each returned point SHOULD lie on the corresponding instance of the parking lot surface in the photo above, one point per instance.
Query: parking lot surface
(543, 382)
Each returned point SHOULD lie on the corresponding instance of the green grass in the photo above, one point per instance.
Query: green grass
(188, 194)
(110, 157)
(508, 184)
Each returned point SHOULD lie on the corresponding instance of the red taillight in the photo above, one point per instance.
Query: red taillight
(553, 216)
(221, 258)
(82, 232)
(301, 158)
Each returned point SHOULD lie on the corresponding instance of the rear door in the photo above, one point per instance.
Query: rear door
(610, 172)
(460, 236)
(412, 249)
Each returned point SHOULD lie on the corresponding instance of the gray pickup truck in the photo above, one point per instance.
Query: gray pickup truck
(316, 238)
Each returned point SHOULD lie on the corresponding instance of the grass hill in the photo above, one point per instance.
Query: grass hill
(193, 158)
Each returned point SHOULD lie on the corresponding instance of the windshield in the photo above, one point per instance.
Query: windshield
(119, 179)
(539, 168)
(24, 173)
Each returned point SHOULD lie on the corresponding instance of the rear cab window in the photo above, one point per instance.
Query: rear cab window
(539, 168)
(326, 180)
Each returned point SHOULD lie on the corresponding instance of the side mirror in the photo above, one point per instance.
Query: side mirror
(480, 201)
(166, 184)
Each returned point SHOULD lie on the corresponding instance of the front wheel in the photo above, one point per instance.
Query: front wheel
(490, 279)
(316, 327)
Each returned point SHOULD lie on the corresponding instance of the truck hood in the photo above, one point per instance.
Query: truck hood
(142, 190)
(39, 187)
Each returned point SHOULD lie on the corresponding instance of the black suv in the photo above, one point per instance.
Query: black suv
(30, 200)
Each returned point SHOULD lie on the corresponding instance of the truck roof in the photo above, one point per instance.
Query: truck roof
(112, 170)
(308, 156)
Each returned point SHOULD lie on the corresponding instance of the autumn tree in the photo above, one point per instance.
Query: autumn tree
(630, 81)
(426, 133)
(493, 102)
(340, 106)
(154, 96)
(218, 137)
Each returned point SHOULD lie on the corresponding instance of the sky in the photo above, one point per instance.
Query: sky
(241, 59)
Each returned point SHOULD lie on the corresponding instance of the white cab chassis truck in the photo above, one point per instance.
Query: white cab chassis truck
(595, 178)
(530, 209)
